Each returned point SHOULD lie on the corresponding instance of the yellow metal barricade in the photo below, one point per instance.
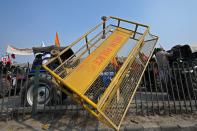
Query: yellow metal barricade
(90, 76)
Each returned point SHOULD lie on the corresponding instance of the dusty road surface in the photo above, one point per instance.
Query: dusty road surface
(79, 121)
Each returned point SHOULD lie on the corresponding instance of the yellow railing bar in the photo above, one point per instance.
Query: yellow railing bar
(135, 23)
(78, 101)
(136, 87)
(79, 39)
(91, 30)
(116, 78)
(72, 89)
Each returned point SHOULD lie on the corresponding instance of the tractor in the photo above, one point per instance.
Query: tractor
(47, 90)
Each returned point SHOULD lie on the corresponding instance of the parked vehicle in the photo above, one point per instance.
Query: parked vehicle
(21, 81)
(47, 90)
(184, 69)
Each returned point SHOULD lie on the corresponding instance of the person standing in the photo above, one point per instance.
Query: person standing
(162, 58)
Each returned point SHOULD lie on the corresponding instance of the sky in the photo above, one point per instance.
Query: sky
(25, 23)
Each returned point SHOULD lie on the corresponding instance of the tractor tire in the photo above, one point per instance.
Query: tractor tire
(47, 93)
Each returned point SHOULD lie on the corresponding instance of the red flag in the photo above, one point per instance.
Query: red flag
(13, 56)
(57, 43)
(9, 60)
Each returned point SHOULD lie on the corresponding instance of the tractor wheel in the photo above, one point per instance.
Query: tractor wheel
(47, 93)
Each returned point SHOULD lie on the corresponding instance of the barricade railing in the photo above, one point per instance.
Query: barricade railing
(177, 96)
